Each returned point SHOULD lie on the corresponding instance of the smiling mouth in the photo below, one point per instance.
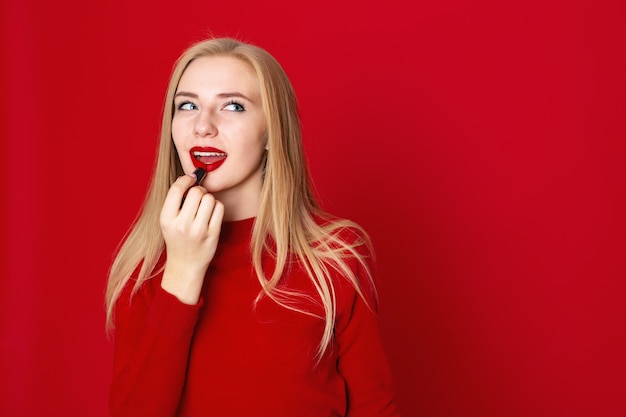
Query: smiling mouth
(207, 158)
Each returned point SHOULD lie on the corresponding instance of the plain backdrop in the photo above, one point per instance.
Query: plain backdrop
(481, 143)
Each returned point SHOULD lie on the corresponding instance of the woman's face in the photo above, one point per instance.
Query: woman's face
(219, 125)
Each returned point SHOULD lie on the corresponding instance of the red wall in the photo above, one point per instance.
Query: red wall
(482, 143)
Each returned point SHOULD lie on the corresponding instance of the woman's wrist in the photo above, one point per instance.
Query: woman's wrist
(184, 283)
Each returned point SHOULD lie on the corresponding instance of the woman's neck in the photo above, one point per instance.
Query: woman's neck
(239, 207)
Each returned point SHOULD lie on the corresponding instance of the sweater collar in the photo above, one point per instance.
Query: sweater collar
(233, 248)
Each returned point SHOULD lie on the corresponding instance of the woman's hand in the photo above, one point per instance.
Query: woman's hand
(191, 233)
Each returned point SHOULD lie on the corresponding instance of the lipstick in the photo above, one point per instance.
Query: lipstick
(200, 173)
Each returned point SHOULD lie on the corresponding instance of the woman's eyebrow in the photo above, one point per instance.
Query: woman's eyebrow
(185, 94)
(233, 94)
(220, 95)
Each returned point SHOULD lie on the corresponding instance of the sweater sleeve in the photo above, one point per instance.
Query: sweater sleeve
(363, 364)
(153, 332)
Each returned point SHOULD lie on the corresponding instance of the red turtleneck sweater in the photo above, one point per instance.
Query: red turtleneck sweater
(226, 357)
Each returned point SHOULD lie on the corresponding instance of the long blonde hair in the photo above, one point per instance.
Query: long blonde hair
(289, 226)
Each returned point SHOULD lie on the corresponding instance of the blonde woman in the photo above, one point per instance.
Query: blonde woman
(234, 294)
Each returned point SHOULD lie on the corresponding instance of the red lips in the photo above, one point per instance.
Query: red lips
(207, 158)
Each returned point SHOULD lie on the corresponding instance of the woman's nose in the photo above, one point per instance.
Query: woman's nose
(204, 125)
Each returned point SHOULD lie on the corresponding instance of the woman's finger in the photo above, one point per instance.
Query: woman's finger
(215, 223)
(205, 209)
(192, 201)
(174, 197)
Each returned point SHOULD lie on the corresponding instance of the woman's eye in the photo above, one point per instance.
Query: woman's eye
(186, 106)
(234, 106)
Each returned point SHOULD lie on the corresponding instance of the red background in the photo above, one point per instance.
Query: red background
(480, 142)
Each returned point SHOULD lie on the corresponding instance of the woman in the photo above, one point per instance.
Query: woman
(234, 294)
